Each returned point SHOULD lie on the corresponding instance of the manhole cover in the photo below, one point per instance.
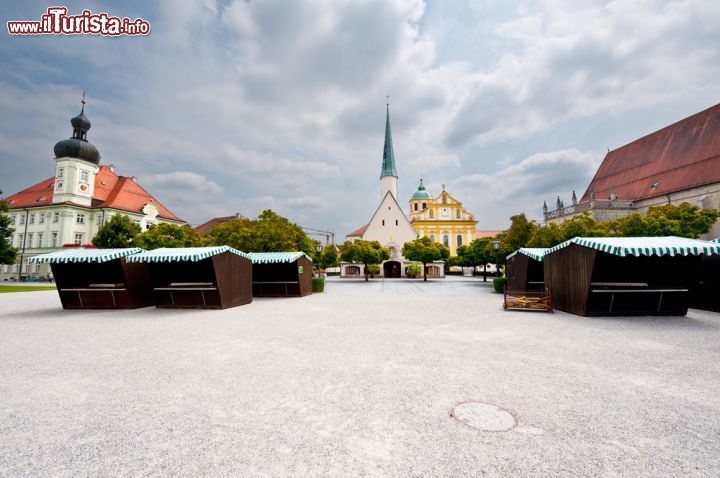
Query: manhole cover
(483, 416)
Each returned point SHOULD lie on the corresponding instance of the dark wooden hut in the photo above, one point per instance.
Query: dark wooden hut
(99, 278)
(612, 276)
(706, 293)
(524, 270)
(198, 277)
(281, 274)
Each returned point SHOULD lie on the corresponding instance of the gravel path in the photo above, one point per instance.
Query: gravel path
(361, 380)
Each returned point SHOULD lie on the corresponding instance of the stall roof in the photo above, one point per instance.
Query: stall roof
(644, 246)
(182, 254)
(84, 255)
(275, 257)
(536, 253)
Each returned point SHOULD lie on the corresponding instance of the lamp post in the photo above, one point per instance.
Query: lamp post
(496, 247)
(318, 249)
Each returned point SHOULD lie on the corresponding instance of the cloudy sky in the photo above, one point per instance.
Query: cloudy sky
(243, 105)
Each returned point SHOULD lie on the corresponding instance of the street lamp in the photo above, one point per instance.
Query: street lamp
(496, 247)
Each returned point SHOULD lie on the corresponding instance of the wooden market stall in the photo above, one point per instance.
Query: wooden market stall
(525, 288)
(281, 274)
(706, 292)
(198, 277)
(610, 276)
(99, 278)
(524, 269)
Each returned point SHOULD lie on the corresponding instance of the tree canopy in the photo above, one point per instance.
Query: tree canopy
(167, 235)
(424, 250)
(268, 233)
(8, 253)
(328, 257)
(117, 232)
(364, 252)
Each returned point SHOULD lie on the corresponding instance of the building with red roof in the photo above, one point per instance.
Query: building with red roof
(70, 207)
(676, 164)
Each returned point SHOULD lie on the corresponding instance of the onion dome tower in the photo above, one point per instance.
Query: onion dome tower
(76, 163)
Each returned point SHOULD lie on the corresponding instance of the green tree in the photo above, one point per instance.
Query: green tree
(268, 233)
(481, 252)
(8, 253)
(364, 252)
(117, 232)
(328, 257)
(424, 250)
(582, 225)
(519, 234)
(684, 220)
(546, 236)
(167, 235)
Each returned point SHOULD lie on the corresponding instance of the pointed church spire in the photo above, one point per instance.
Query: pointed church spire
(388, 164)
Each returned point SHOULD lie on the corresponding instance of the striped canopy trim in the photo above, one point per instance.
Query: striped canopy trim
(84, 255)
(183, 254)
(275, 257)
(644, 246)
(536, 253)
(716, 240)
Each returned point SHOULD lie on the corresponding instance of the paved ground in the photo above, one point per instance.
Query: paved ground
(358, 381)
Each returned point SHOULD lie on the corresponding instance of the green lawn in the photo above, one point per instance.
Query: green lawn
(24, 288)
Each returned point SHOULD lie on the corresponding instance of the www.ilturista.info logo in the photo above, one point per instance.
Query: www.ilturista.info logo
(57, 22)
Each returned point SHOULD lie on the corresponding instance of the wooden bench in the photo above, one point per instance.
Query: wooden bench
(266, 283)
(201, 287)
(613, 288)
(95, 288)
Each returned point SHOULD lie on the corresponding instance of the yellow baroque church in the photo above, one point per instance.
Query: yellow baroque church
(443, 219)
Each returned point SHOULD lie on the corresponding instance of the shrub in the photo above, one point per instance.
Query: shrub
(499, 284)
(318, 284)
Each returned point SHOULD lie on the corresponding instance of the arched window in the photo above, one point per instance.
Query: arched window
(424, 206)
(459, 240)
(396, 222)
(446, 240)
(383, 222)
(415, 206)
(432, 237)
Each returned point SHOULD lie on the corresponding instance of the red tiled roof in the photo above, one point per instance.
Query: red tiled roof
(111, 191)
(680, 156)
(207, 226)
(482, 234)
(359, 232)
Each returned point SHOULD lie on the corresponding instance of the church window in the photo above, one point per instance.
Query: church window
(444, 199)
(396, 222)
(416, 206)
(383, 222)
(432, 237)
(60, 173)
(84, 176)
(446, 240)
(459, 240)
(424, 206)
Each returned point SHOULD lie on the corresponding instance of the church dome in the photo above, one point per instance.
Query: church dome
(78, 146)
(421, 193)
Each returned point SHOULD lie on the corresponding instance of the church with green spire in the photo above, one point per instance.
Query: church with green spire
(389, 225)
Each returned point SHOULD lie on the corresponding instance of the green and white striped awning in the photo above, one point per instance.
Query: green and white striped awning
(182, 254)
(275, 257)
(716, 240)
(84, 255)
(644, 246)
(536, 253)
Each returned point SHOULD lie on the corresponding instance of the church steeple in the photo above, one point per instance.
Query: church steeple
(388, 173)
